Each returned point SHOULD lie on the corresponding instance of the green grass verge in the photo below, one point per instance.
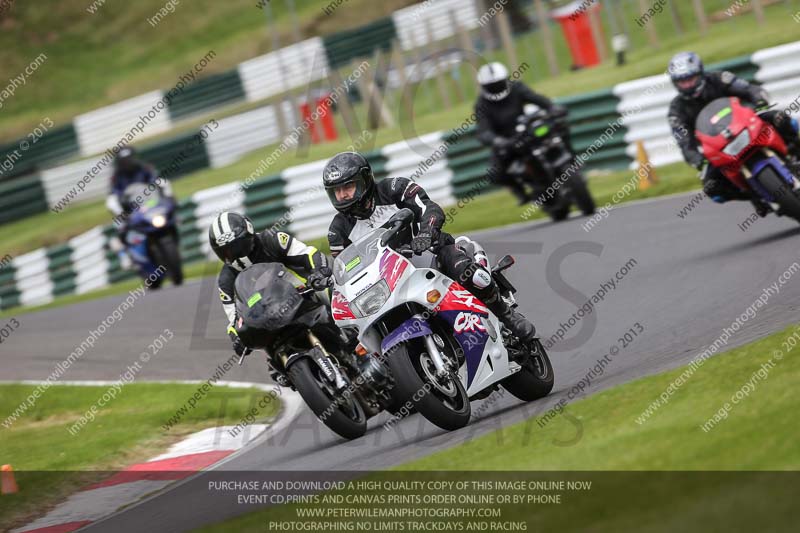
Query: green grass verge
(600, 433)
(51, 463)
(493, 209)
(757, 434)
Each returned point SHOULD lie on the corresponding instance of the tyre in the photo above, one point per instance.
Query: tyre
(448, 409)
(167, 253)
(344, 417)
(581, 195)
(535, 378)
(784, 196)
(558, 212)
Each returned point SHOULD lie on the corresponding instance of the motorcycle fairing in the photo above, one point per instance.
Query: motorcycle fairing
(721, 121)
(340, 307)
(410, 329)
(392, 266)
(466, 314)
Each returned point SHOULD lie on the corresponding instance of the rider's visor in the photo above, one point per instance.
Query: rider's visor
(348, 193)
(237, 249)
(688, 83)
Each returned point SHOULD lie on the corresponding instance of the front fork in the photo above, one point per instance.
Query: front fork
(338, 380)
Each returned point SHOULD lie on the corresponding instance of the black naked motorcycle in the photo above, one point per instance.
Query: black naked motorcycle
(542, 158)
(306, 351)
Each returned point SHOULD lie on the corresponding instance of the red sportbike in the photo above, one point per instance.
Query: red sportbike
(750, 153)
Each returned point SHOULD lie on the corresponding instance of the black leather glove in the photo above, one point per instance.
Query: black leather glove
(238, 345)
(698, 161)
(501, 145)
(558, 111)
(318, 280)
(424, 240)
(501, 142)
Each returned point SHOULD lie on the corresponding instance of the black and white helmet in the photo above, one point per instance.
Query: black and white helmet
(687, 74)
(232, 238)
(493, 79)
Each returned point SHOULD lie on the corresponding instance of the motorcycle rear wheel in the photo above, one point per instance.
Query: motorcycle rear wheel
(535, 379)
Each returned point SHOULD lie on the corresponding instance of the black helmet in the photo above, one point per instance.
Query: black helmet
(125, 158)
(686, 72)
(231, 236)
(350, 168)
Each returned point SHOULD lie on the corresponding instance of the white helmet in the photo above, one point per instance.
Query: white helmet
(493, 79)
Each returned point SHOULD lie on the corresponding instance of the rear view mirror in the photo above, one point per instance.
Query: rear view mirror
(504, 262)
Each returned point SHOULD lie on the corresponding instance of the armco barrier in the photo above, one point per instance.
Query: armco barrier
(243, 133)
(57, 143)
(21, 197)
(206, 93)
(779, 72)
(290, 67)
(348, 45)
(411, 22)
(103, 128)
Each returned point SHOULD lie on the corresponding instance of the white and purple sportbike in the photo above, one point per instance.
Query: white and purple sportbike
(443, 346)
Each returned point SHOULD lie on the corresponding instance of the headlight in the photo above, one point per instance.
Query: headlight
(159, 221)
(372, 300)
(739, 143)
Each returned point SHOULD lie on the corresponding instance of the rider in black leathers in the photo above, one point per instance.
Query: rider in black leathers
(364, 204)
(234, 240)
(499, 104)
(696, 88)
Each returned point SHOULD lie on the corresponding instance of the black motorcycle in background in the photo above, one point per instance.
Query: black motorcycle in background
(541, 158)
(307, 352)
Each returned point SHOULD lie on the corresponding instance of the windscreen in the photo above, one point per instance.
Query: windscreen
(355, 257)
(266, 296)
(715, 117)
(141, 195)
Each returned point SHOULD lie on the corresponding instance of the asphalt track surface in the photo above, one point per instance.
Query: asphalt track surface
(692, 278)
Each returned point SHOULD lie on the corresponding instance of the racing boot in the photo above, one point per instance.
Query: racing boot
(517, 324)
(519, 192)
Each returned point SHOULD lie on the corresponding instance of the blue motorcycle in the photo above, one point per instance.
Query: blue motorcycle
(152, 235)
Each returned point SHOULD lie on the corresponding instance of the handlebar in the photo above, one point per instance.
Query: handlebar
(400, 219)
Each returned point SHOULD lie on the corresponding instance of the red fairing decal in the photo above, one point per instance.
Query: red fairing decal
(392, 267)
(460, 299)
(340, 307)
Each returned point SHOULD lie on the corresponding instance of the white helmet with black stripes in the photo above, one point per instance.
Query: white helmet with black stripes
(232, 238)
(493, 79)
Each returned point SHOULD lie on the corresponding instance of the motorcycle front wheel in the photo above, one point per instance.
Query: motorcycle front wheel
(166, 253)
(581, 195)
(342, 414)
(781, 191)
(443, 404)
